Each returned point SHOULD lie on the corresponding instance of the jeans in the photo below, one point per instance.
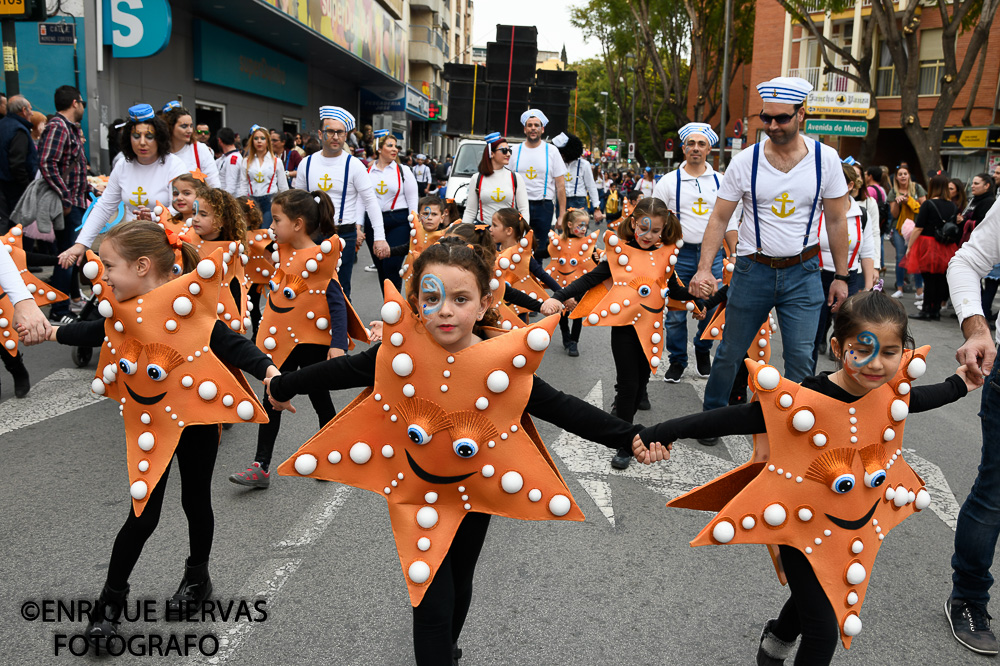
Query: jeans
(899, 243)
(979, 520)
(347, 262)
(795, 292)
(62, 278)
(397, 232)
(541, 221)
(676, 322)
(264, 204)
(579, 203)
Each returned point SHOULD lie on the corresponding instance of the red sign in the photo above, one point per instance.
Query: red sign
(668, 145)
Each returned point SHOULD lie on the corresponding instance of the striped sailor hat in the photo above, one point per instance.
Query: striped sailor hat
(785, 90)
(172, 104)
(140, 113)
(380, 133)
(337, 113)
(699, 128)
(534, 113)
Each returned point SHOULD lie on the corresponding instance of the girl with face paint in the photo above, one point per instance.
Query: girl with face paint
(574, 254)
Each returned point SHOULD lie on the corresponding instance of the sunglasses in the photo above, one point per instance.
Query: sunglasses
(203, 132)
(505, 151)
(781, 118)
(82, 103)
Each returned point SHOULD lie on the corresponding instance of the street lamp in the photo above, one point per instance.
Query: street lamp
(629, 58)
(604, 144)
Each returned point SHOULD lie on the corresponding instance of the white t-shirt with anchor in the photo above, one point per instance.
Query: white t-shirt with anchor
(496, 192)
(784, 200)
(697, 199)
(540, 167)
(318, 172)
(580, 181)
(386, 183)
(135, 184)
(262, 179)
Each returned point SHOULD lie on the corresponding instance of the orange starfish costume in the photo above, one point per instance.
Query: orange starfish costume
(513, 266)
(157, 363)
(827, 478)
(420, 240)
(43, 294)
(636, 295)
(440, 435)
(260, 262)
(571, 257)
(235, 259)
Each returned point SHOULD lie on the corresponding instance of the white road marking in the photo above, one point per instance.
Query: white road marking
(314, 522)
(63, 391)
(943, 501)
(740, 447)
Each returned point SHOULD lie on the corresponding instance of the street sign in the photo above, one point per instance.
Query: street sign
(837, 127)
(13, 8)
(56, 33)
(669, 145)
(738, 128)
(631, 151)
(838, 103)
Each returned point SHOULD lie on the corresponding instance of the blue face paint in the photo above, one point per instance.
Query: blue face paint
(853, 362)
(194, 207)
(431, 284)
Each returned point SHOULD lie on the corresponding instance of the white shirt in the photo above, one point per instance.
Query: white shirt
(580, 181)
(135, 184)
(205, 161)
(697, 199)
(859, 245)
(875, 236)
(232, 173)
(540, 167)
(10, 280)
(973, 261)
(262, 178)
(386, 183)
(422, 173)
(645, 186)
(318, 172)
(784, 200)
(497, 192)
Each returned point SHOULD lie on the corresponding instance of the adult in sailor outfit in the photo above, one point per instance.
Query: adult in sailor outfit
(544, 170)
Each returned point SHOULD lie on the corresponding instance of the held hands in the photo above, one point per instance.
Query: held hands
(375, 331)
(551, 306)
(72, 256)
(978, 353)
(970, 383)
(569, 305)
(654, 453)
(32, 326)
(703, 283)
(381, 249)
(274, 372)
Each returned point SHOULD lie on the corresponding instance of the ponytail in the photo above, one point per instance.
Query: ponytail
(141, 238)
(314, 208)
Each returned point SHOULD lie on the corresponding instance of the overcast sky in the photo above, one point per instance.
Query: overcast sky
(551, 19)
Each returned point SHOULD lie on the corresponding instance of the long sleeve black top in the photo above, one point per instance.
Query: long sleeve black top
(231, 347)
(748, 419)
(547, 403)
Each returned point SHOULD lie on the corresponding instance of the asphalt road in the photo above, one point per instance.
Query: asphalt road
(622, 588)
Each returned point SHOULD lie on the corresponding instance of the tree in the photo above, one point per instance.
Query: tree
(563, 58)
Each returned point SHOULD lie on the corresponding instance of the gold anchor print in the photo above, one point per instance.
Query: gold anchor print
(531, 173)
(783, 200)
(259, 177)
(498, 196)
(324, 183)
(568, 177)
(699, 207)
(382, 188)
(138, 197)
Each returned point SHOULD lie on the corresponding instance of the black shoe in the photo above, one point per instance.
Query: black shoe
(106, 617)
(922, 316)
(195, 588)
(643, 401)
(63, 319)
(703, 363)
(709, 441)
(456, 654)
(776, 651)
(673, 373)
(970, 625)
(572, 350)
(622, 458)
(15, 366)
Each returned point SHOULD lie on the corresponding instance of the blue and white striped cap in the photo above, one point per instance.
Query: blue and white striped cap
(255, 127)
(785, 90)
(534, 113)
(172, 104)
(381, 133)
(492, 136)
(140, 113)
(699, 128)
(337, 113)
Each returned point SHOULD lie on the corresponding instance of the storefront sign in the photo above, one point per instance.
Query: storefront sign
(383, 99)
(361, 27)
(836, 127)
(226, 59)
(137, 28)
(965, 138)
(417, 103)
(838, 103)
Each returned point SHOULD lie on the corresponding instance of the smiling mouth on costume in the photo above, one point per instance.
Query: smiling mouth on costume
(854, 524)
(277, 309)
(566, 273)
(143, 400)
(659, 309)
(434, 478)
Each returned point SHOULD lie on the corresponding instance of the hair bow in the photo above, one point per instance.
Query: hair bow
(482, 226)
(174, 239)
(879, 286)
(251, 204)
(198, 175)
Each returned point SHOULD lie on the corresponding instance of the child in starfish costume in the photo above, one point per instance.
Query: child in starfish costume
(512, 233)
(574, 254)
(307, 319)
(218, 224)
(175, 369)
(424, 231)
(442, 432)
(259, 249)
(185, 192)
(827, 481)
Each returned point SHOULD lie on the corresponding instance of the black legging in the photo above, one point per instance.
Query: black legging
(807, 612)
(196, 452)
(631, 368)
(255, 312)
(303, 355)
(935, 292)
(565, 327)
(438, 620)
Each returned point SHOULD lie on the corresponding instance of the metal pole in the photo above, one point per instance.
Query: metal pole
(604, 146)
(10, 58)
(632, 140)
(725, 86)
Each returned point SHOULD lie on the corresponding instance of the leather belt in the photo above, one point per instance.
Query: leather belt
(785, 262)
(342, 229)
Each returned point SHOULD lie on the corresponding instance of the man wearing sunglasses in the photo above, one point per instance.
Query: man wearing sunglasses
(345, 180)
(785, 183)
(544, 175)
(202, 133)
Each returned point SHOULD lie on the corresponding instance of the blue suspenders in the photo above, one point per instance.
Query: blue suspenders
(517, 167)
(714, 175)
(753, 191)
(576, 183)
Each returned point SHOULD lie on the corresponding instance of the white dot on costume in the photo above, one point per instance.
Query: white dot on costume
(689, 306)
(916, 368)
(899, 409)
(430, 498)
(312, 266)
(538, 339)
(361, 453)
(396, 339)
(889, 434)
(194, 288)
(923, 500)
(626, 302)
(220, 308)
(227, 400)
(857, 546)
(206, 268)
(326, 247)
(275, 257)
(387, 490)
(615, 308)
(419, 572)
(903, 388)
(334, 457)
(817, 541)
(306, 464)
(503, 435)
(788, 475)
(504, 263)
(402, 365)
(146, 441)
(387, 451)
(145, 418)
(427, 517)
(105, 309)
(901, 497)
(559, 505)
(491, 443)
(593, 318)
(768, 378)
(482, 403)
(749, 523)
(119, 326)
(785, 400)
(310, 315)
(138, 490)
(391, 312)
(408, 390)
(97, 386)
(208, 390)
(890, 493)
(623, 260)
(385, 408)
(827, 532)
(272, 330)
(910, 496)
(803, 420)
(809, 551)
(245, 410)
(170, 325)
(182, 306)
(516, 258)
(90, 270)
(612, 240)
(444, 388)
(423, 543)
(519, 361)
(97, 289)
(498, 381)
(511, 482)
(488, 471)
(856, 573)
(715, 331)
(655, 361)
(143, 466)
(805, 515)
(724, 531)
(322, 323)
(505, 325)
(400, 476)
(187, 381)
(494, 284)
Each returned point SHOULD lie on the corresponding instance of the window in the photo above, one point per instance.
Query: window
(931, 62)
(887, 84)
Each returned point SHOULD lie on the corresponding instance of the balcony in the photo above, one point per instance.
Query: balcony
(428, 6)
(823, 82)
(428, 45)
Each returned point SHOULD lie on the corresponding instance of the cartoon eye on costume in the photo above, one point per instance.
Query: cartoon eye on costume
(161, 359)
(843, 484)
(643, 285)
(294, 285)
(127, 366)
(422, 418)
(129, 357)
(177, 269)
(562, 261)
(645, 290)
(465, 447)
(276, 279)
(155, 372)
(272, 285)
(417, 434)
(833, 470)
(289, 293)
(875, 480)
